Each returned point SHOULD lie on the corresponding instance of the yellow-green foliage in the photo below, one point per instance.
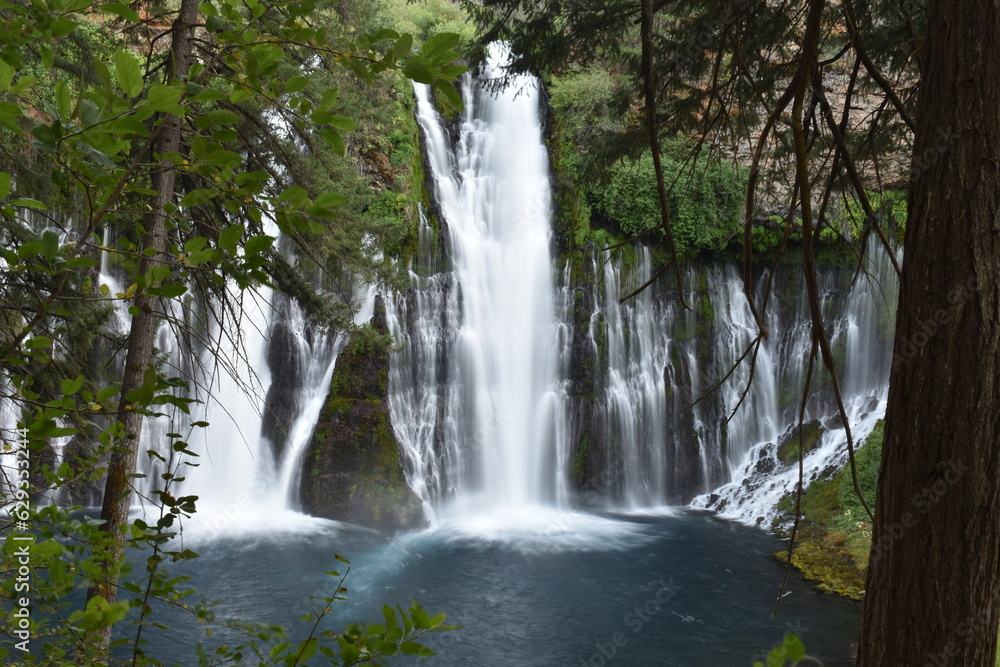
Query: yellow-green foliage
(705, 199)
(849, 215)
(835, 532)
(422, 19)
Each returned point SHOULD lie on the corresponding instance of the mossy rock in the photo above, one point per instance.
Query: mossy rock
(820, 557)
(352, 470)
(788, 445)
(834, 537)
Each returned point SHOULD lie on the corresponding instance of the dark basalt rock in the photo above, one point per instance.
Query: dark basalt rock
(352, 470)
(788, 444)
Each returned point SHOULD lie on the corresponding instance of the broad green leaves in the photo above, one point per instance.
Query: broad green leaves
(129, 76)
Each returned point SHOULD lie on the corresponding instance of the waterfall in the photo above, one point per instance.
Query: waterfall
(515, 383)
(860, 317)
(263, 401)
(519, 380)
(479, 414)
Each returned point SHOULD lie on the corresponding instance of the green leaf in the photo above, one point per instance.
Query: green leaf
(103, 73)
(402, 46)
(64, 100)
(421, 621)
(37, 343)
(210, 95)
(307, 649)
(70, 387)
(295, 195)
(28, 203)
(240, 94)
(415, 69)
(230, 237)
(4, 184)
(225, 135)
(107, 392)
(164, 98)
(217, 117)
(341, 123)
(6, 75)
(449, 91)
(295, 84)
(328, 199)
(333, 140)
(62, 26)
(48, 59)
(118, 9)
(255, 245)
(379, 35)
(197, 197)
(224, 158)
(439, 43)
(413, 648)
(329, 98)
(129, 75)
(794, 648)
(195, 244)
(390, 617)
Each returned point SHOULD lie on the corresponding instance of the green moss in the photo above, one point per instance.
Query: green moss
(340, 404)
(579, 463)
(788, 452)
(705, 198)
(835, 532)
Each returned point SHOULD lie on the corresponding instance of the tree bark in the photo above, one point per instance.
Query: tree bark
(933, 589)
(118, 485)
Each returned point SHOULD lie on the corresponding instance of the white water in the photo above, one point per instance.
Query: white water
(480, 391)
(488, 438)
(860, 326)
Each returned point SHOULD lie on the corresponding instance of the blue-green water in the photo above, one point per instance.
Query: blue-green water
(684, 589)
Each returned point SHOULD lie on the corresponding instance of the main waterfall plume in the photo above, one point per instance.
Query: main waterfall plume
(486, 365)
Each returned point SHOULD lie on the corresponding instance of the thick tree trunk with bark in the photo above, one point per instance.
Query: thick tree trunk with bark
(933, 590)
(118, 485)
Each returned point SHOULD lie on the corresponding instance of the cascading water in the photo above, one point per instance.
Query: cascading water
(484, 338)
(505, 393)
(492, 341)
(860, 324)
(246, 478)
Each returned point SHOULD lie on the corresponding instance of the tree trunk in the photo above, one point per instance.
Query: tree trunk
(933, 590)
(118, 486)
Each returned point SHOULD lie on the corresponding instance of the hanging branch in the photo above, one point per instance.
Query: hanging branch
(649, 93)
(802, 473)
(810, 49)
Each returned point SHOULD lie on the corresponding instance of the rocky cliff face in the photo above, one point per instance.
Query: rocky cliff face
(352, 470)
